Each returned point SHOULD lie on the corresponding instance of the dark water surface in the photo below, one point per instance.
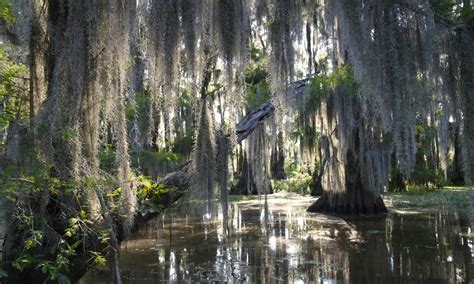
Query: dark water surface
(278, 242)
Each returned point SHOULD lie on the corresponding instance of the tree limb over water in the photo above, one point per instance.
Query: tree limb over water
(248, 124)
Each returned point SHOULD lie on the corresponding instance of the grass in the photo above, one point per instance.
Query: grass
(237, 198)
(460, 199)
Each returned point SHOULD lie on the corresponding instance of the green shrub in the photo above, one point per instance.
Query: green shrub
(155, 163)
(298, 183)
(150, 163)
(183, 145)
(423, 176)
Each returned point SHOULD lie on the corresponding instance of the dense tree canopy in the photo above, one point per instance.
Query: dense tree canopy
(368, 96)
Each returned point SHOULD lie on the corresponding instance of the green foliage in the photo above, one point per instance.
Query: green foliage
(297, 181)
(107, 158)
(460, 198)
(77, 224)
(115, 193)
(452, 10)
(321, 86)
(17, 182)
(256, 54)
(149, 162)
(13, 92)
(97, 259)
(33, 256)
(151, 196)
(3, 273)
(64, 253)
(241, 197)
(183, 146)
(444, 8)
(6, 14)
(396, 181)
(258, 87)
(43, 250)
(155, 162)
(423, 176)
(186, 99)
(139, 107)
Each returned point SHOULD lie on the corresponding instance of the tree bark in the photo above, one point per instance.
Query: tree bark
(346, 189)
(38, 57)
(355, 199)
(456, 177)
(467, 89)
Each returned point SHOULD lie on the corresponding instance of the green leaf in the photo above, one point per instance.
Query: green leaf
(62, 279)
(3, 273)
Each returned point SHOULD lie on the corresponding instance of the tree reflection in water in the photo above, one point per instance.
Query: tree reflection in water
(278, 241)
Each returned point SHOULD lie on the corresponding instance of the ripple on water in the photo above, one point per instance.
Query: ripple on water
(278, 240)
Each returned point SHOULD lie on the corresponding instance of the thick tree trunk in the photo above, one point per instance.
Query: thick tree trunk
(456, 177)
(355, 199)
(246, 184)
(347, 191)
(467, 89)
(278, 159)
(353, 202)
(316, 185)
(280, 166)
(316, 179)
(38, 57)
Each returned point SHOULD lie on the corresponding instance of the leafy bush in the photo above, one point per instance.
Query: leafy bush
(425, 177)
(150, 163)
(155, 163)
(13, 91)
(152, 196)
(23, 191)
(183, 146)
(297, 182)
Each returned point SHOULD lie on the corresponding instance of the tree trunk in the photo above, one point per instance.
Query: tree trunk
(246, 184)
(467, 89)
(278, 161)
(316, 185)
(348, 190)
(456, 177)
(352, 202)
(355, 199)
(38, 57)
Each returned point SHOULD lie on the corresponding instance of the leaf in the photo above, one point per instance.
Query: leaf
(68, 232)
(76, 244)
(22, 262)
(72, 221)
(83, 214)
(62, 279)
(3, 273)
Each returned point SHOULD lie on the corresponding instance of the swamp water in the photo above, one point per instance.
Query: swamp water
(278, 242)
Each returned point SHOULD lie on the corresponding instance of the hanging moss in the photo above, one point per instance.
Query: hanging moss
(204, 156)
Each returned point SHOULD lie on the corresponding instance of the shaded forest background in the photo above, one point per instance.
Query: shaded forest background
(101, 100)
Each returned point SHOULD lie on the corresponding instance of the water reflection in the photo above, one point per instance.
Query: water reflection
(275, 240)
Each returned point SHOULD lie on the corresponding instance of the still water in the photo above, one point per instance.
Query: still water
(276, 241)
